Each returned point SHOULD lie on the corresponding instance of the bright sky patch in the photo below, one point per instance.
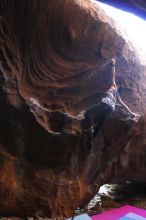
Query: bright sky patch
(134, 27)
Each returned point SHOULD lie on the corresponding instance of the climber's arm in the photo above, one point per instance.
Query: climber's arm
(119, 100)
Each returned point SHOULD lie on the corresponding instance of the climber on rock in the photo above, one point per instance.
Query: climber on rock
(95, 116)
(113, 96)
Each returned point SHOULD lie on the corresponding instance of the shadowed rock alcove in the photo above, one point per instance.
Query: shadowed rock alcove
(56, 66)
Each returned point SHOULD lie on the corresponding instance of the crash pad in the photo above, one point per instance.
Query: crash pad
(80, 217)
(126, 212)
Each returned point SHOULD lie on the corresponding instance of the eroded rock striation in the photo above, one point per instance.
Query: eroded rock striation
(55, 67)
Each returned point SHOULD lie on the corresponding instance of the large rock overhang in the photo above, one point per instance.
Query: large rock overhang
(55, 65)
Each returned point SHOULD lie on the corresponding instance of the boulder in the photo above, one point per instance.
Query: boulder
(55, 67)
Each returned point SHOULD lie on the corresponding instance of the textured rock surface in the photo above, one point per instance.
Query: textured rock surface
(55, 66)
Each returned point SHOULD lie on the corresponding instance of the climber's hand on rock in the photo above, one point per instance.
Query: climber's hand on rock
(135, 115)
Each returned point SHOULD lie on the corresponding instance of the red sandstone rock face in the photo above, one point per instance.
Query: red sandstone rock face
(55, 66)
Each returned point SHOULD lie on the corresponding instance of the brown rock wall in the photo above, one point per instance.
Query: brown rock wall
(55, 66)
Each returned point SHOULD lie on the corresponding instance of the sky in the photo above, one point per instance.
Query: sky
(134, 27)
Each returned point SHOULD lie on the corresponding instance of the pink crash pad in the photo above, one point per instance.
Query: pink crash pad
(126, 212)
